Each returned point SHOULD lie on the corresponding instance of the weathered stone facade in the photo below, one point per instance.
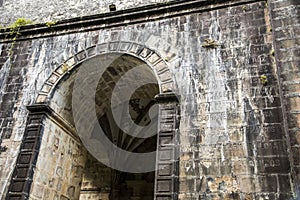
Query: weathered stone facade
(227, 86)
(43, 11)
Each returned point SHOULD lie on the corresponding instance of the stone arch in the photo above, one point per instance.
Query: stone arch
(166, 178)
(152, 58)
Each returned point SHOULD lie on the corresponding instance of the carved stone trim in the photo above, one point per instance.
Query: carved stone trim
(120, 18)
(56, 118)
(159, 65)
(24, 170)
(167, 160)
(23, 173)
(167, 97)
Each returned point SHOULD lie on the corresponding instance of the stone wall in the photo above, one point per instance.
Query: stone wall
(235, 68)
(286, 32)
(60, 164)
(96, 180)
(13, 112)
(44, 11)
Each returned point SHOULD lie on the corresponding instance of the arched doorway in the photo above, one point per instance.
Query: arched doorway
(53, 163)
(100, 181)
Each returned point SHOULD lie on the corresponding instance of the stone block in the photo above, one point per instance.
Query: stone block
(268, 183)
(273, 165)
(247, 184)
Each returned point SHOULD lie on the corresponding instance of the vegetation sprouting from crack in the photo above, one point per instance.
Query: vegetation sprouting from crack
(50, 23)
(15, 30)
(210, 43)
(15, 27)
(264, 79)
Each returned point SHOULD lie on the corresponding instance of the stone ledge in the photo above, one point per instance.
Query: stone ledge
(167, 98)
(53, 116)
(118, 18)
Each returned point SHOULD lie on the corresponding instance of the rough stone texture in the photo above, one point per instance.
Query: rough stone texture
(58, 172)
(97, 180)
(286, 29)
(239, 127)
(13, 114)
(44, 11)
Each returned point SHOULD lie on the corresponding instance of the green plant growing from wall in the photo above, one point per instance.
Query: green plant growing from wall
(15, 30)
(210, 43)
(15, 27)
(264, 79)
(65, 68)
(50, 24)
(244, 8)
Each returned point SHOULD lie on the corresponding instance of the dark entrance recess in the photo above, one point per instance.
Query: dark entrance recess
(98, 180)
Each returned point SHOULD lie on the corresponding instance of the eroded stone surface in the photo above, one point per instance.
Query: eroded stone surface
(43, 11)
(235, 127)
(60, 165)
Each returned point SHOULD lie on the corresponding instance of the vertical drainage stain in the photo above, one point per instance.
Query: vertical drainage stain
(215, 78)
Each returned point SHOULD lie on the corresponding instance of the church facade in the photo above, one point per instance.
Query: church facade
(164, 100)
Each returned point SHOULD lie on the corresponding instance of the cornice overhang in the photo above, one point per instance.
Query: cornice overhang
(118, 18)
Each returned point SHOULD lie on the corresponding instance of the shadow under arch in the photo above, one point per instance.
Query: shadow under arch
(42, 112)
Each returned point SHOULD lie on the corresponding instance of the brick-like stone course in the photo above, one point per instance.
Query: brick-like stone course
(12, 114)
(286, 39)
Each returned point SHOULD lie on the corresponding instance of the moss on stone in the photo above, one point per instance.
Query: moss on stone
(50, 23)
(264, 79)
(15, 27)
